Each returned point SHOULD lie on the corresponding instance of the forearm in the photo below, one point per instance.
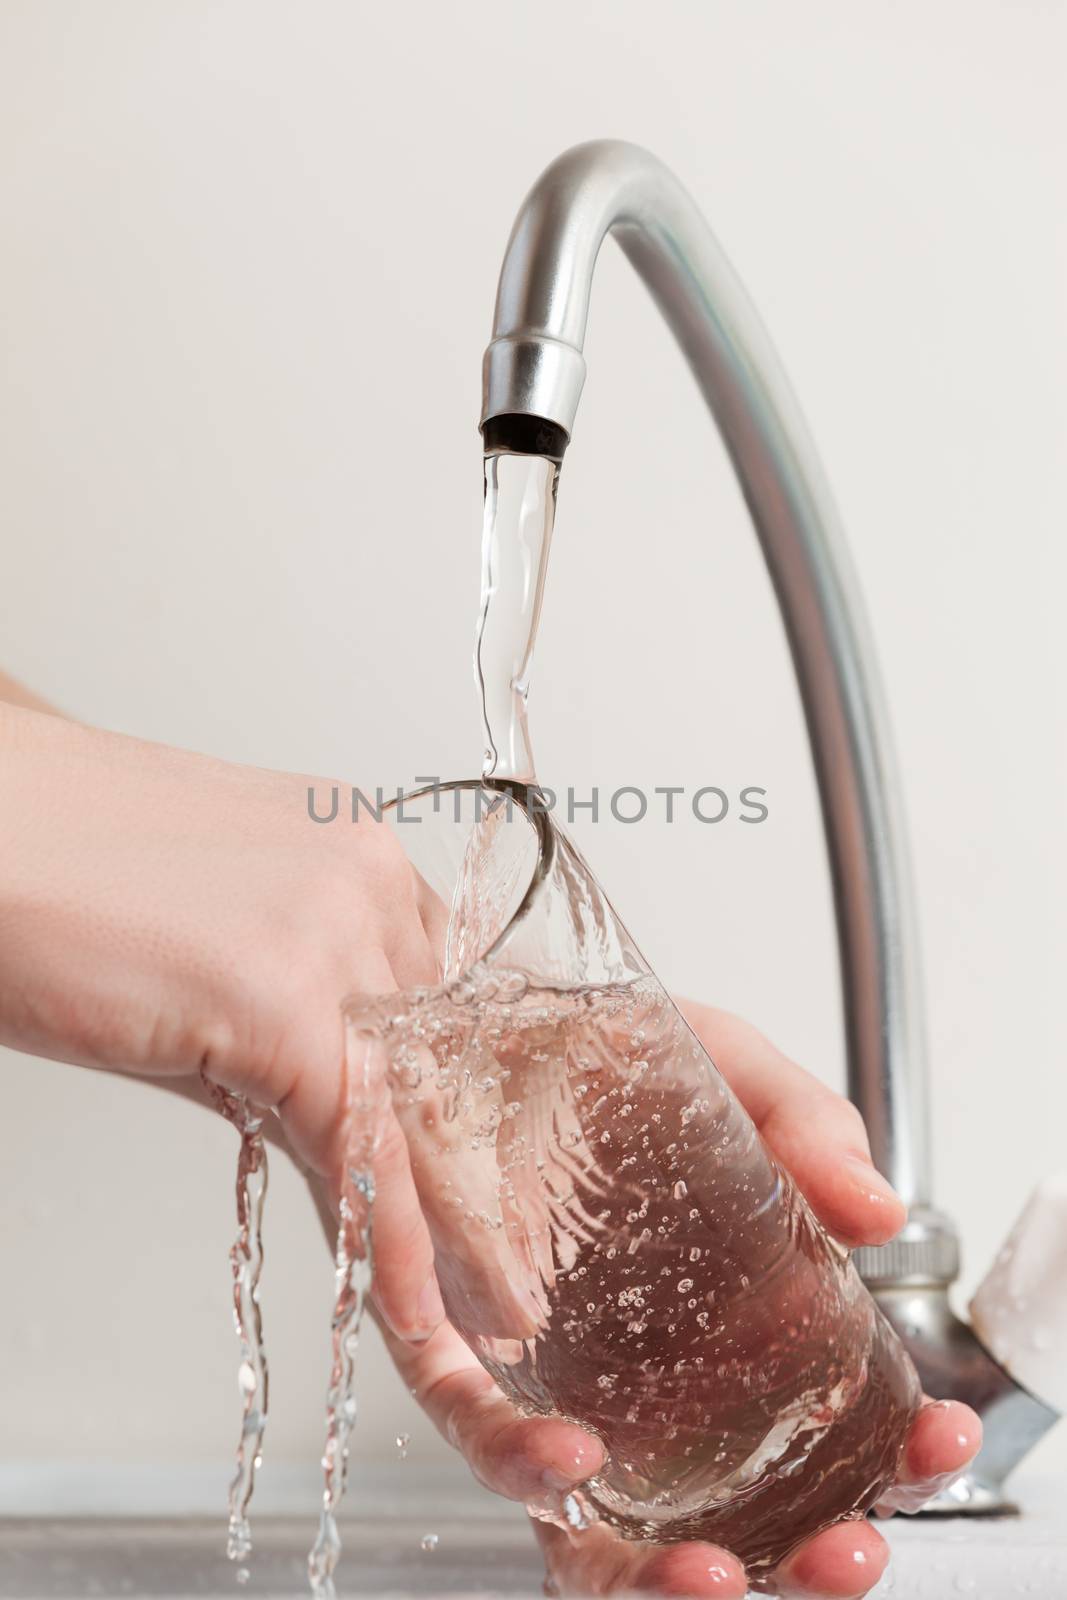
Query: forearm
(54, 875)
(119, 947)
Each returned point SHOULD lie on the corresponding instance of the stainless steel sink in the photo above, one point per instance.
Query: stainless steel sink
(484, 1549)
(107, 1557)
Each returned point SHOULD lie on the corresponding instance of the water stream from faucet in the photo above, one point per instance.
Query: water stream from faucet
(520, 509)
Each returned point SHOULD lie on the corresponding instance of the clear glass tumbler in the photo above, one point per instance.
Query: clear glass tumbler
(612, 1237)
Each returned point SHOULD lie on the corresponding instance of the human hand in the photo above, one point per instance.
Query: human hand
(820, 1138)
(165, 914)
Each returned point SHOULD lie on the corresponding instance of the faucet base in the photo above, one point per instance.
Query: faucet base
(954, 1365)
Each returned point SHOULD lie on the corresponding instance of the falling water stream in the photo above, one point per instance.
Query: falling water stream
(246, 1260)
(366, 1093)
(353, 1274)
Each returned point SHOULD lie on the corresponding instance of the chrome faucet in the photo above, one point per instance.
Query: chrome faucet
(533, 375)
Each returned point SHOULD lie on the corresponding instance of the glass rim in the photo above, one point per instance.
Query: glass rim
(521, 794)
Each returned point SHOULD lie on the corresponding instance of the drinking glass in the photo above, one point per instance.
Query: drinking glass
(612, 1238)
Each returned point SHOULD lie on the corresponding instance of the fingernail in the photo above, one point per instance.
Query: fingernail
(558, 1481)
(431, 1308)
(867, 1175)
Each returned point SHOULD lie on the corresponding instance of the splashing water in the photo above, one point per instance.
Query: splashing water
(246, 1259)
(352, 1280)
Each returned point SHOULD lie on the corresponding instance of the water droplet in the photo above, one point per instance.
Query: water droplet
(242, 1575)
(575, 1512)
(429, 1541)
(680, 1189)
(363, 1183)
(402, 1442)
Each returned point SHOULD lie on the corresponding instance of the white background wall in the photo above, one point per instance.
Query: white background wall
(247, 260)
